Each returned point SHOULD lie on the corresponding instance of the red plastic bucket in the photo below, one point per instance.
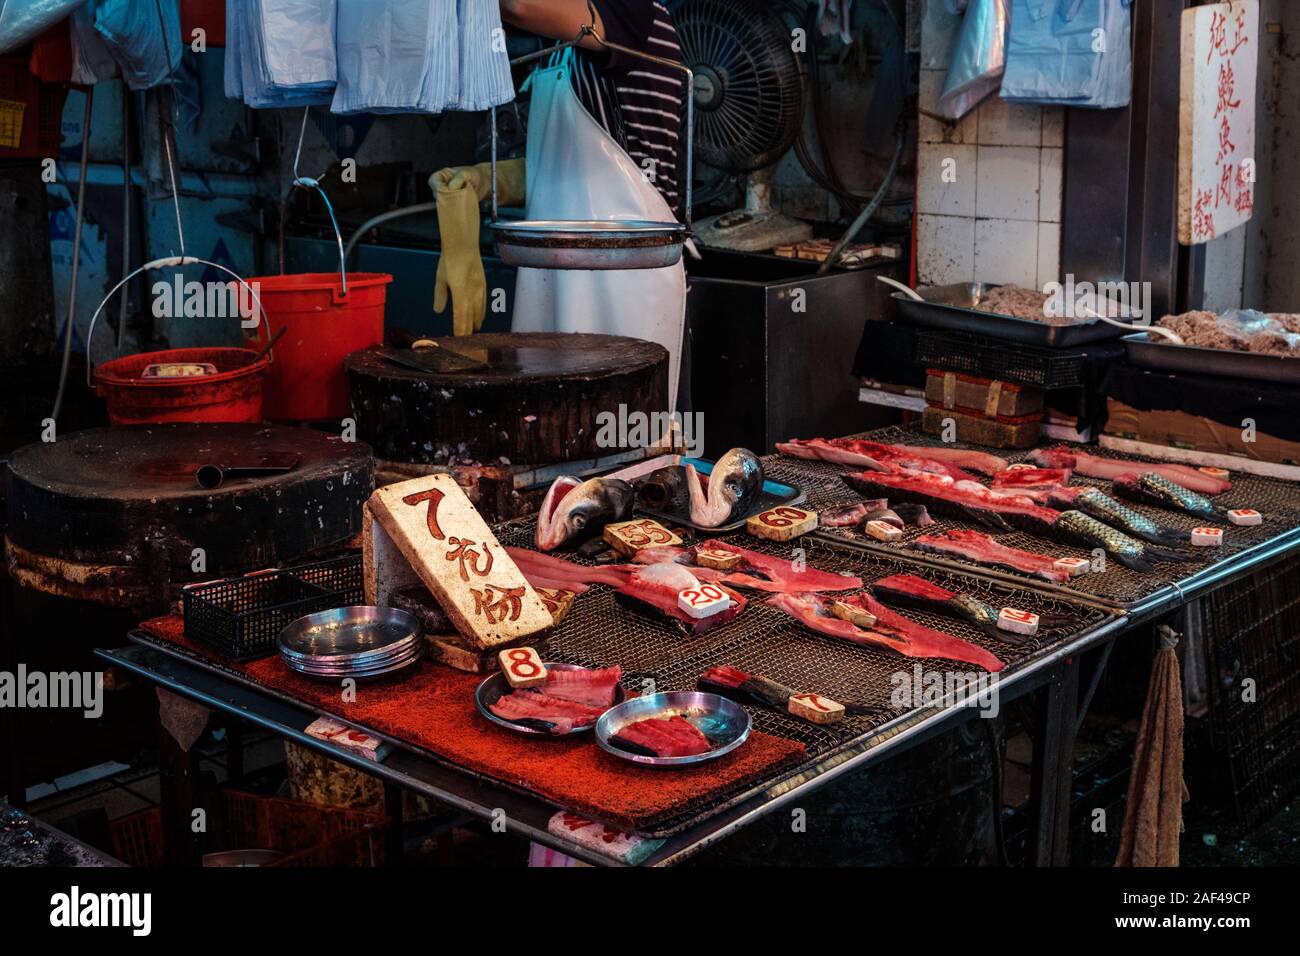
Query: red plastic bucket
(307, 381)
(233, 394)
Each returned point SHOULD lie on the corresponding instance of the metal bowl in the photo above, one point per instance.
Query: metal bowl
(723, 721)
(349, 636)
(495, 686)
(595, 244)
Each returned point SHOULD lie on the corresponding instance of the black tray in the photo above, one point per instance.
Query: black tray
(957, 307)
(1167, 356)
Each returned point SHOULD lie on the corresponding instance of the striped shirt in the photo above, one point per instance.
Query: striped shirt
(639, 103)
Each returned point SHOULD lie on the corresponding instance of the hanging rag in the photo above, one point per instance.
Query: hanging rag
(1072, 52)
(395, 56)
(977, 59)
(23, 20)
(412, 56)
(1153, 812)
(280, 53)
(484, 78)
(92, 60)
(836, 17)
(147, 48)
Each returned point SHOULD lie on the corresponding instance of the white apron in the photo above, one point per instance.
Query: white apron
(577, 171)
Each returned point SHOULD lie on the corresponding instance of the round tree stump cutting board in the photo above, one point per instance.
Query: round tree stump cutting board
(114, 515)
(534, 400)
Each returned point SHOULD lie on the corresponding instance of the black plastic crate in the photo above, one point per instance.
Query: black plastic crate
(989, 358)
(241, 617)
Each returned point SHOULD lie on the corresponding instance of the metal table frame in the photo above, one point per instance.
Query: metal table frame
(1057, 718)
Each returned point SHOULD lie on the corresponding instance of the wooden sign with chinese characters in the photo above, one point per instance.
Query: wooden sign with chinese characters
(453, 551)
(1216, 126)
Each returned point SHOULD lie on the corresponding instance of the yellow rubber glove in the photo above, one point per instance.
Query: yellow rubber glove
(458, 192)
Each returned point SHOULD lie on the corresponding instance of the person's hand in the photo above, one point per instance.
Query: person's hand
(458, 192)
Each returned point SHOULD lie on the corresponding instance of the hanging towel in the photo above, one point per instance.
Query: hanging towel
(92, 60)
(1073, 52)
(280, 53)
(484, 66)
(420, 56)
(395, 56)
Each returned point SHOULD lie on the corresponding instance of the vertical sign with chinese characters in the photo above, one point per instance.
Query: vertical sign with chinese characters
(1216, 143)
(460, 561)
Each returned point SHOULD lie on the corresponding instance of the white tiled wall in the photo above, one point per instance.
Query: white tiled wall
(988, 186)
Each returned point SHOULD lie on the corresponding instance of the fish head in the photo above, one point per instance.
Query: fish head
(734, 484)
(573, 511)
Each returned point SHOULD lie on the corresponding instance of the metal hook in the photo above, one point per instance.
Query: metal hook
(306, 182)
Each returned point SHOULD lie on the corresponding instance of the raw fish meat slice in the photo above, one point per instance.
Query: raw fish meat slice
(891, 631)
(912, 591)
(573, 575)
(946, 498)
(658, 586)
(868, 454)
(848, 516)
(981, 549)
(665, 737)
(593, 687)
(1095, 466)
(526, 705)
(758, 571)
(764, 572)
(967, 458)
(1018, 478)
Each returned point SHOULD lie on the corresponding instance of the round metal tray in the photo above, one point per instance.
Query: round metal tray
(593, 245)
(494, 687)
(723, 721)
(349, 636)
(379, 670)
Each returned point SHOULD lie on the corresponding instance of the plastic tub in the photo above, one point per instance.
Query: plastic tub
(307, 382)
(233, 394)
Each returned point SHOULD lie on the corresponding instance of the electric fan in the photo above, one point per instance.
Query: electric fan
(749, 98)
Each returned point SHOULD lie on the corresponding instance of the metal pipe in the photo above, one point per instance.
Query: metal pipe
(382, 218)
(76, 256)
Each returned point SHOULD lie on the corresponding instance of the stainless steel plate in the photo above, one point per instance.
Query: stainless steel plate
(361, 673)
(349, 635)
(589, 245)
(1168, 357)
(723, 721)
(494, 687)
(958, 307)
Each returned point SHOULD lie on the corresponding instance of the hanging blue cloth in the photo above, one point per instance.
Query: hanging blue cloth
(280, 53)
(417, 56)
(144, 39)
(484, 79)
(1072, 52)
